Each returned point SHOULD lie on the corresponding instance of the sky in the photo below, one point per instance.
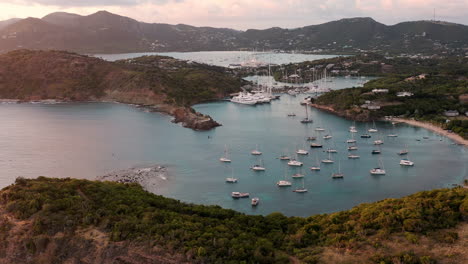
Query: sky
(244, 14)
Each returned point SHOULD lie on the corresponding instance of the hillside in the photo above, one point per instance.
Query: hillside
(104, 32)
(71, 221)
(165, 84)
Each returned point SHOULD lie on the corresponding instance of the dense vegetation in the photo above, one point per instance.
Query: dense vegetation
(211, 234)
(186, 83)
(436, 85)
(103, 32)
(33, 75)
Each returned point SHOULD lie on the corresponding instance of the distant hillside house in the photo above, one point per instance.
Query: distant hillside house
(371, 106)
(380, 91)
(404, 94)
(451, 113)
(418, 77)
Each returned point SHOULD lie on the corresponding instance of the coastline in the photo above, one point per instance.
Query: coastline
(187, 116)
(455, 137)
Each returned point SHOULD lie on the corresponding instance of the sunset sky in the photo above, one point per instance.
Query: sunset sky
(243, 14)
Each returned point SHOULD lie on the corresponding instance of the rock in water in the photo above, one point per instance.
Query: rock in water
(192, 119)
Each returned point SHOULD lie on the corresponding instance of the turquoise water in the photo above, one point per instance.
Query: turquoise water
(87, 139)
(224, 58)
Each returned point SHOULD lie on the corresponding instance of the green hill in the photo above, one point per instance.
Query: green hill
(104, 32)
(69, 220)
(163, 83)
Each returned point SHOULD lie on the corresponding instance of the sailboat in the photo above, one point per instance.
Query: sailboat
(351, 140)
(225, 158)
(366, 135)
(373, 129)
(393, 134)
(379, 170)
(352, 147)
(256, 151)
(295, 162)
(339, 174)
(327, 136)
(255, 201)
(352, 128)
(231, 179)
(301, 190)
(353, 156)
(302, 152)
(379, 141)
(329, 160)
(284, 182)
(258, 167)
(306, 120)
(403, 151)
(298, 175)
(317, 166)
(406, 162)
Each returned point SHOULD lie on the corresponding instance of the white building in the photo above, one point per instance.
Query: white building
(451, 113)
(404, 94)
(380, 91)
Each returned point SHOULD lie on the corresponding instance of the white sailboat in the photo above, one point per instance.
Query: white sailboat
(298, 175)
(351, 140)
(339, 174)
(306, 120)
(393, 134)
(301, 190)
(373, 129)
(237, 195)
(231, 179)
(352, 128)
(353, 156)
(258, 167)
(406, 162)
(225, 157)
(379, 170)
(295, 162)
(302, 151)
(255, 201)
(403, 151)
(317, 163)
(284, 182)
(328, 160)
(256, 151)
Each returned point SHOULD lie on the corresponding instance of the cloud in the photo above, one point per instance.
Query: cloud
(243, 14)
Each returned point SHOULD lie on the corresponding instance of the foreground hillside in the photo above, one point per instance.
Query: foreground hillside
(104, 32)
(167, 84)
(78, 221)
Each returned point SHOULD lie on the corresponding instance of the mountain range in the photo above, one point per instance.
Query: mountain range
(104, 32)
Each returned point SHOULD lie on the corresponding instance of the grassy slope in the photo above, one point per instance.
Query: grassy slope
(211, 234)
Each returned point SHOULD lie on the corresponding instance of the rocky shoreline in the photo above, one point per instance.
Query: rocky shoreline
(355, 114)
(151, 178)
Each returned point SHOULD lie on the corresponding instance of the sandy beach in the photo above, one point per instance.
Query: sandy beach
(455, 137)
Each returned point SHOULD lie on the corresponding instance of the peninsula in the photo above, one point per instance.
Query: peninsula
(161, 83)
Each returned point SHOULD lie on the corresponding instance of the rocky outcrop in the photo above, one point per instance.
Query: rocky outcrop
(192, 119)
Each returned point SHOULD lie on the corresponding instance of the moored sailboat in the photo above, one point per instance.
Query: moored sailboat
(225, 157)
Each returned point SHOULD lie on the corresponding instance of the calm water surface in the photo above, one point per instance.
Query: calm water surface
(87, 139)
